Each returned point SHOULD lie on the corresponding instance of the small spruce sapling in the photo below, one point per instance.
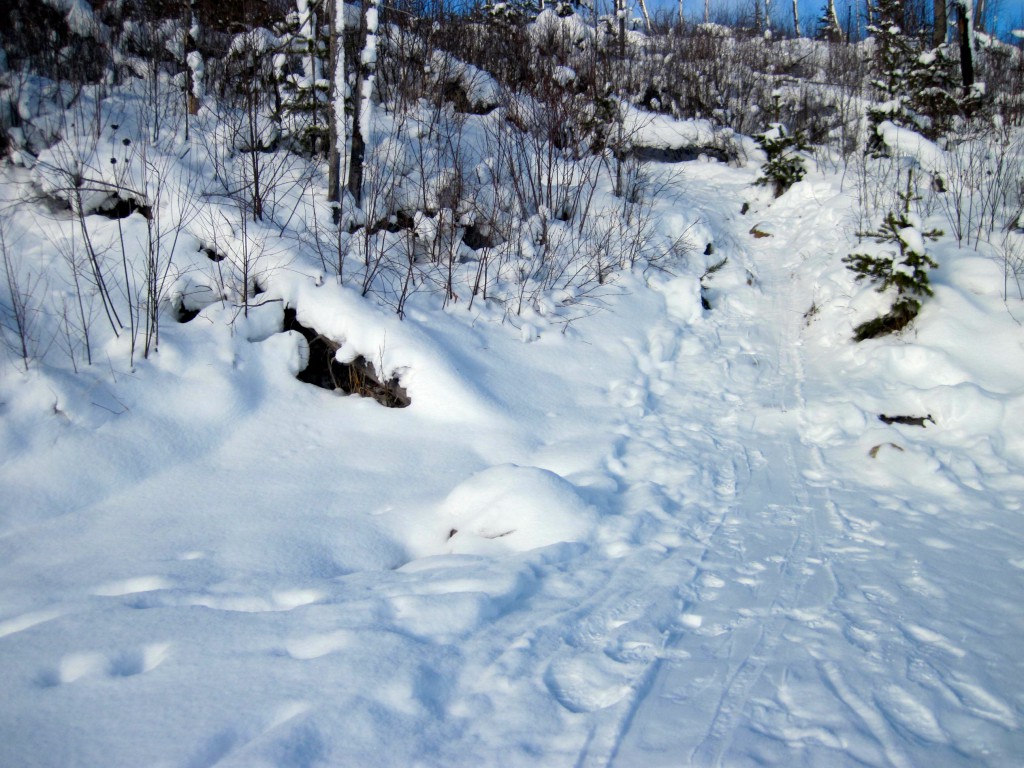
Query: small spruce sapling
(785, 166)
(906, 271)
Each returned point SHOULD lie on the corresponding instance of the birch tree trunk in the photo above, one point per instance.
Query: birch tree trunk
(193, 62)
(363, 112)
(338, 151)
(645, 14)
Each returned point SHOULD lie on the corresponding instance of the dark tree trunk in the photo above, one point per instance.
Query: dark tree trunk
(355, 173)
(963, 25)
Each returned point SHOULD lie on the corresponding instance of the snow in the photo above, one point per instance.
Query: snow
(654, 535)
(908, 143)
(649, 129)
(482, 90)
(911, 237)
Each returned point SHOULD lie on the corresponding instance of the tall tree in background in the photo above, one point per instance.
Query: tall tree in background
(965, 28)
(915, 86)
(893, 53)
(828, 24)
(796, 18)
(941, 23)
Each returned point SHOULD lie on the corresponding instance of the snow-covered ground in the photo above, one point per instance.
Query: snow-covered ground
(658, 535)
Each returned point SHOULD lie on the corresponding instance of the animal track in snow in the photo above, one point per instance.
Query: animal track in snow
(92, 664)
(139, 660)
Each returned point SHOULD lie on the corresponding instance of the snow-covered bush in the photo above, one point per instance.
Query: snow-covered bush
(983, 180)
(1011, 249)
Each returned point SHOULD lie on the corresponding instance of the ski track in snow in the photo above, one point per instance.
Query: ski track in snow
(746, 600)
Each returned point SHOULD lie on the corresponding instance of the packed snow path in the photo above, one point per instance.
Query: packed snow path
(820, 622)
(671, 537)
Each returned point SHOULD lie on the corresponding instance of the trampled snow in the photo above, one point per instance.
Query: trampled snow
(654, 535)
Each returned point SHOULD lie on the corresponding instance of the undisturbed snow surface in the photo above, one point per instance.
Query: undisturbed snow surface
(667, 536)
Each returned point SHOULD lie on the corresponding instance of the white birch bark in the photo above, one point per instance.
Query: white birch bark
(368, 61)
(340, 91)
(645, 14)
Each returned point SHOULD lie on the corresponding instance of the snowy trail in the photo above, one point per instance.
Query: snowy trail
(759, 538)
(767, 650)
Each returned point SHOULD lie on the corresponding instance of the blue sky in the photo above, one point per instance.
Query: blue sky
(1009, 13)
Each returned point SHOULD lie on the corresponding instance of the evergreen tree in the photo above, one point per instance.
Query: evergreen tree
(828, 24)
(893, 56)
(914, 87)
(935, 101)
(785, 166)
(904, 269)
(305, 88)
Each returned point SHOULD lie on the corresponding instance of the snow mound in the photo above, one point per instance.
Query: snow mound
(509, 508)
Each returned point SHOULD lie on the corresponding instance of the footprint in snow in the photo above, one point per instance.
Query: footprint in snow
(725, 481)
(589, 681)
(909, 714)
